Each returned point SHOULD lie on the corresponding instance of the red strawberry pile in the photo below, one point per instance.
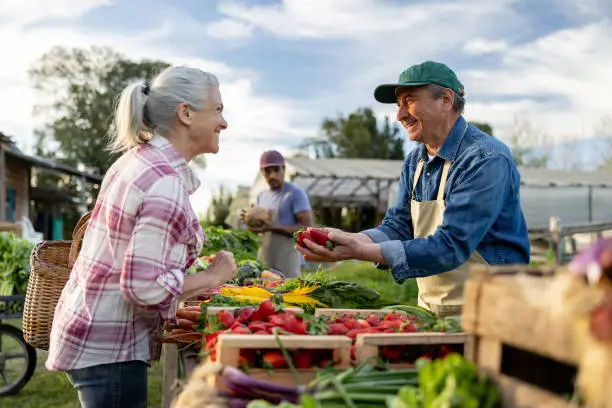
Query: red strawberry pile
(274, 358)
(249, 320)
(269, 317)
(409, 354)
(317, 235)
(352, 325)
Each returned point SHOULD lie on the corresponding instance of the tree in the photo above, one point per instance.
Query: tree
(219, 207)
(524, 136)
(485, 127)
(81, 87)
(357, 136)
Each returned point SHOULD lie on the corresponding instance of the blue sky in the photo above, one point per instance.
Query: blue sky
(286, 65)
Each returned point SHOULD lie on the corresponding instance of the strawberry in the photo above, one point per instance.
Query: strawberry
(225, 318)
(265, 309)
(363, 324)
(260, 332)
(302, 359)
(373, 320)
(408, 328)
(245, 314)
(247, 357)
(274, 359)
(325, 363)
(242, 329)
(300, 235)
(392, 353)
(304, 235)
(256, 326)
(277, 320)
(295, 325)
(354, 332)
(352, 324)
(391, 317)
(337, 329)
(321, 237)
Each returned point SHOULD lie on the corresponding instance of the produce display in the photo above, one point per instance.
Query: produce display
(409, 373)
(451, 382)
(195, 326)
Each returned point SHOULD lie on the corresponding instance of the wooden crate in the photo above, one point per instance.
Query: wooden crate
(369, 345)
(518, 335)
(229, 346)
(360, 312)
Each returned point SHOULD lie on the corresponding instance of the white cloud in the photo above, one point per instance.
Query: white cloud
(229, 29)
(358, 19)
(568, 69)
(482, 46)
(18, 12)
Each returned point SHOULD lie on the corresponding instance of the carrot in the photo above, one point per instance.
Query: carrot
(188, 314)
(182, 336)
(192, 308)
(186, 324)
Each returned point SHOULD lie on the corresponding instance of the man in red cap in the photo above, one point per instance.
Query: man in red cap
(289, 210)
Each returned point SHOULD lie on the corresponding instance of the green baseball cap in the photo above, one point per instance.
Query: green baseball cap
(429, 72)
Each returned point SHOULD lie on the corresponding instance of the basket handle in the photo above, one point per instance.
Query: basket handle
(77, 236)
(83, 220)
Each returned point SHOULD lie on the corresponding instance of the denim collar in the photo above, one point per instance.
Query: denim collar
(449, 149)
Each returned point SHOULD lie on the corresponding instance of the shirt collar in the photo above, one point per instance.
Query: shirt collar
(449, 149)
(178, 162)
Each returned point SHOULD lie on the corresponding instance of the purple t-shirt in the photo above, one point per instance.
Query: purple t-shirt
(293, 200)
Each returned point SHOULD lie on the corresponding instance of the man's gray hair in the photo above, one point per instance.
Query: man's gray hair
(458, 102)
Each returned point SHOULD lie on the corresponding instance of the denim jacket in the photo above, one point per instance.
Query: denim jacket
(483, 209)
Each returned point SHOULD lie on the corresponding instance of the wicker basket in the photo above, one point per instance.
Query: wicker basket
(51, 262)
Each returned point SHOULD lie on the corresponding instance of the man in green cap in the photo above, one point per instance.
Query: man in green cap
(458, 201)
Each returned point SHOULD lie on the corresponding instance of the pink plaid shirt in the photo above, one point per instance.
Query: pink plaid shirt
(142, 236)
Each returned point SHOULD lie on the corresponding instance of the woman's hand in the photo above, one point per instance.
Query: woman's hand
(222, 268)
(219, 271)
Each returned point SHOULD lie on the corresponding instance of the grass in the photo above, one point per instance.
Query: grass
(52, 389)
(380, 280)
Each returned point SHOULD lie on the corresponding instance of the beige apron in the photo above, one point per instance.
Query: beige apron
(441, 293)
(278, 251)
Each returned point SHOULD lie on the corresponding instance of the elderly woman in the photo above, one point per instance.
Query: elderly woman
(142, 236)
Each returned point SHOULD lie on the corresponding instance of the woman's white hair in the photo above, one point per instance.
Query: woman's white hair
(141, 109)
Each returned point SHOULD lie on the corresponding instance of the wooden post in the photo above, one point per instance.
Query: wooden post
(556, 238)
(170, 361)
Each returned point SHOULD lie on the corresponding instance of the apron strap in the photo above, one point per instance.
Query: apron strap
(445, 170)
(417, 174)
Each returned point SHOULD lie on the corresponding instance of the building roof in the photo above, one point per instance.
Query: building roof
(11, 149)
(362, 180)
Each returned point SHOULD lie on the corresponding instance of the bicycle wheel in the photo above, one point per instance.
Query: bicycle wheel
(17, 360)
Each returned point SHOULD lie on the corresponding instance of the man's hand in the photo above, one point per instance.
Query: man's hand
(222, 268)
(347, 247)
(265, 227)
(243, 213)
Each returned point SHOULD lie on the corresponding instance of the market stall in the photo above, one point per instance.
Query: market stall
(528, 337)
